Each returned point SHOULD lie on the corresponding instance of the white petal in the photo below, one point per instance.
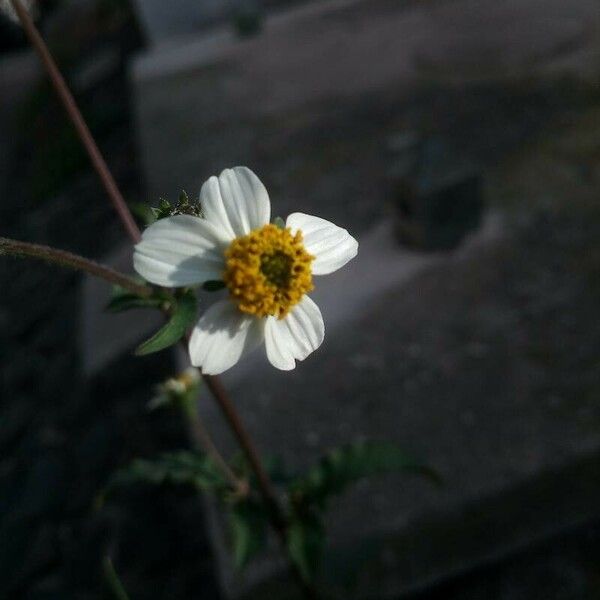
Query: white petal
(236, 202)
(222, 335)
(295, 336)
(331, 245)
(179, 251)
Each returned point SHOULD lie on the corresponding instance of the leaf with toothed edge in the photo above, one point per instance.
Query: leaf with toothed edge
(346, 465)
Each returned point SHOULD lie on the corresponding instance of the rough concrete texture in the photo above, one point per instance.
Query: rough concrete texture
(341, 69)
(484, 364)
(477, 362)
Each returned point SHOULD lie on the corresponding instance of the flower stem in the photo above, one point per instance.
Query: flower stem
(201, 440)
(66, 259)
(78, 121)
(264, 483)
(277, 516)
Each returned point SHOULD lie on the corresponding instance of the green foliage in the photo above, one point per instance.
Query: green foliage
(123, 299)
(176, 468)
(248, 521)
(213, 285)
(143, 212)
(346, 465)
(184, 206)
(163, 210)
(306, 541)
(309, 494)
(183, 313)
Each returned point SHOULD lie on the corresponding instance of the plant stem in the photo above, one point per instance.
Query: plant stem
(264, 483)
(201, 440)
(78, 121)
(277, 516)
(200, 435)
(112, 580)
(66, 259)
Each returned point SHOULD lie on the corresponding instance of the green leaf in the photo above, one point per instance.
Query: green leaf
(182, 315)
(248, 527)
(143, 212)
(306, 541)
(213, 285)
(279, 222)
(346, 465)
(125, 300)
(163, 210)
(176, 468)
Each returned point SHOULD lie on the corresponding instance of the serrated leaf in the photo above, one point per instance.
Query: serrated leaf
(346, 465)
(213, 285)
(177, 468)
(306, 541)
(163, 210)
(248, 527)
(182, 315)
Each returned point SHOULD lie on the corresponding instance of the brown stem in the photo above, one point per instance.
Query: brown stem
(277, 517)
(66, 259)
(77, 119)
(266, 489)
(201, 440)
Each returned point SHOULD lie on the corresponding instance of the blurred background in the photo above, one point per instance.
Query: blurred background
(459, 141)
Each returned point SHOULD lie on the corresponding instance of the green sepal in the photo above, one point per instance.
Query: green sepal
(146, 214)
(163, 210)
(183, 313)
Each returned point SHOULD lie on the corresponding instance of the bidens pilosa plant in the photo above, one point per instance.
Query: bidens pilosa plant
(266, 270)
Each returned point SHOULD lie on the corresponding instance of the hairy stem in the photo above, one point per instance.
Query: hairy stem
(69, 260)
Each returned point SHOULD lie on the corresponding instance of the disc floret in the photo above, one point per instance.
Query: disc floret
(268, 271)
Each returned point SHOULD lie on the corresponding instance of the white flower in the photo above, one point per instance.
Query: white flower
(267, 270)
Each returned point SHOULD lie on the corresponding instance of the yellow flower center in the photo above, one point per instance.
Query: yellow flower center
(268, 271)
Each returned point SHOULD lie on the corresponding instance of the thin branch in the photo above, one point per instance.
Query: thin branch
(77, 119)
(264, 483)
(276, 514)
(69, 260)
(201, 440)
